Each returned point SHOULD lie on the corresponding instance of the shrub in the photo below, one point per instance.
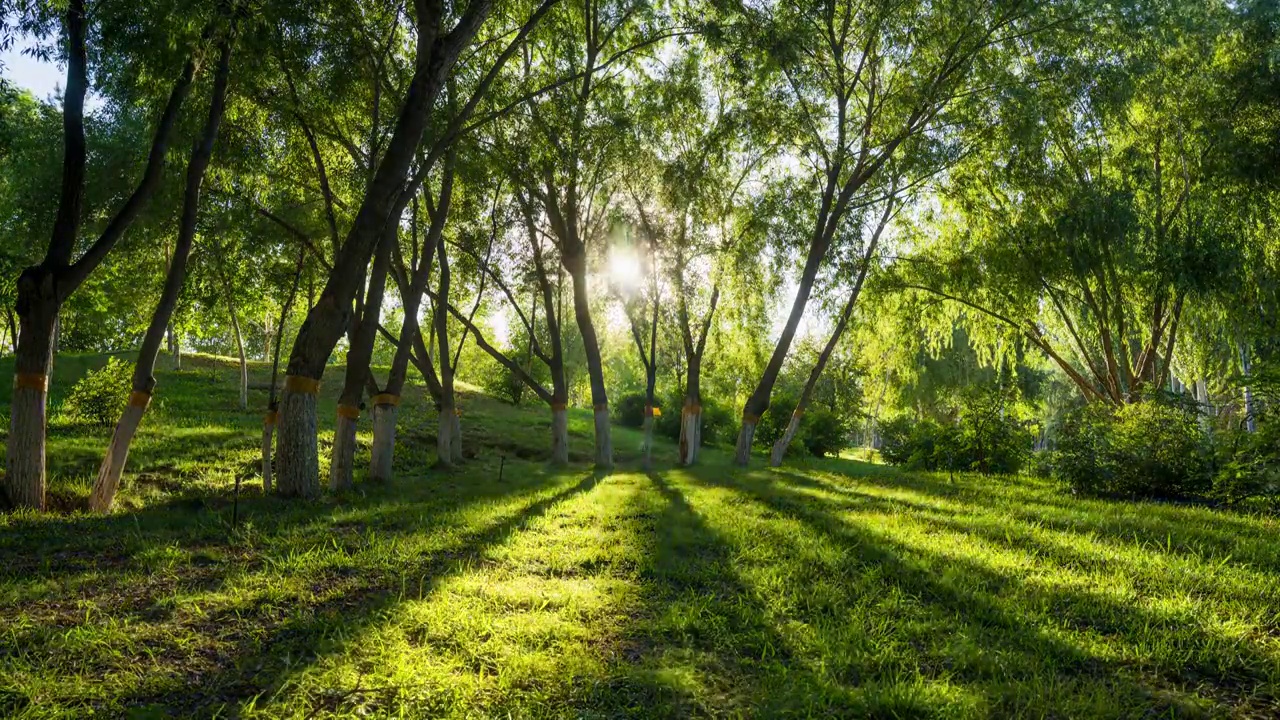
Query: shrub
(1149, 449)
(98, 398)
(1247, 466)
(824, 432)
(500, 382)
(630, 410)
(982, 439)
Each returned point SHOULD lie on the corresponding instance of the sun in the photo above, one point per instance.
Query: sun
(624, 269)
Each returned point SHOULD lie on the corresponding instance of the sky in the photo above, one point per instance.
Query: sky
(42, 79)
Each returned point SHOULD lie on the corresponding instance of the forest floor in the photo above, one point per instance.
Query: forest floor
(827, 589)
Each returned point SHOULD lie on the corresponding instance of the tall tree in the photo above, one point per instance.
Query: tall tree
(43, 288)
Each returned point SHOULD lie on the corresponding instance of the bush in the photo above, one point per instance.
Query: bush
(1150, 449)
(98, 398)
(824, 432)
(631, 410)
(1247, 465)
(501, 382)
(982, 439)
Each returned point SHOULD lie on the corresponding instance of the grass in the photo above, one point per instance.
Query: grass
(832, 588)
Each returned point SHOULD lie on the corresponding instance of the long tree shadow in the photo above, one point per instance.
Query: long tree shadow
(268, 650)
(705, 644)
(1008, 619)
(1188, 529)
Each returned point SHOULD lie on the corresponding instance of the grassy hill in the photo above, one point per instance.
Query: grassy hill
(823, 589)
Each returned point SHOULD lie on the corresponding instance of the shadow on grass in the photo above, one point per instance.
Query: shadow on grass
(267, 651)
(1011, 618)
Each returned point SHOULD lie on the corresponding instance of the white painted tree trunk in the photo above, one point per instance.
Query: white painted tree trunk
(1246, 368)
(559, 436)
(112, 468)
(384, 442)
(344, 449)
(297, 460)
(690, 434)
(604, 439)
(455, 439)
(742, 452)
(784, 442)
(268, 431)
(26, 479)
(444, 436)
(647, 447)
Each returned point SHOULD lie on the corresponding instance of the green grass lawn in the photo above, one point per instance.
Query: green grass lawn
(826, 589)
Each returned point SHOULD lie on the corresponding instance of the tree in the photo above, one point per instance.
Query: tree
(868, 81)
(43, 288)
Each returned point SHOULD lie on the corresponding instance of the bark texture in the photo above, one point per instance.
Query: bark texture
(297, 461)
(344, 449)
(559, 436)
(384, 441)
(109, 474)
(690, 432)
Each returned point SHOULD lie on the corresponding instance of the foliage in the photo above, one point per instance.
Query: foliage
(718, 423)
(1151, 449)
(98, 398)
(985, 436)
(630, 409)
(823, 432)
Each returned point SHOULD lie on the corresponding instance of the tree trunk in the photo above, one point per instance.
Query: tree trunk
(244, 361)
(444, 435)
(344, 448)
(297, 462)
(559, 435)
(326, 322)
(647, 460)
(108, 482)
(758, 403)
(1246, 368)
(24, 480)
(742, 452)
(595, 367)
(268, 430)
(385, 409)
(690, 431)
(784, 442)
(358, 359)
(113, 464)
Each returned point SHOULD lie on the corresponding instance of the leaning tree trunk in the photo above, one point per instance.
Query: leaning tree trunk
(112, 468)
(595, 367)
(358, 359)
(244, 361)
(386, 407)
(559, 434)
(646, 461)
(758, 403)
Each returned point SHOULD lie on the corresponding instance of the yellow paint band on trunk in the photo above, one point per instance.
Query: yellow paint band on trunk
(139, 399)
(348, 412)
(601, 406)
(386, 399)
(558, 407)
(271, 418)
(692, 409)
(750, 418)
(301, 384)
(798, 412)
(31, 381)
